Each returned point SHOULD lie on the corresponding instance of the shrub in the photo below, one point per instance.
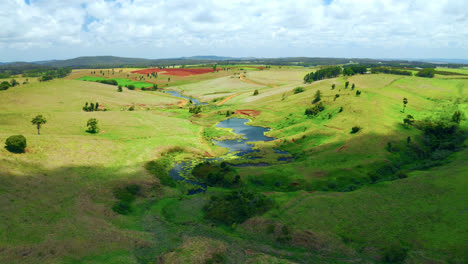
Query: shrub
(122, 207)
(255, 92)
(92, 125)
(395, 254)
(355, 129)
(119, 89)
(131, 87)
(16, 144)
(131, 108)
(160, 169)
(4, 85)
(236, 206)
(315, 110)
(340, 110)
(110, 82)
(298, 90)
(195, 109)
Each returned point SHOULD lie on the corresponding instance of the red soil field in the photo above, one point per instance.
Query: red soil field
(177, 71)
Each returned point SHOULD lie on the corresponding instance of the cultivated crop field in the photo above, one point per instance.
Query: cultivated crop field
(332, 194)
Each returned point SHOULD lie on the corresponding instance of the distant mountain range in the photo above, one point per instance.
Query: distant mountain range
(113, 61)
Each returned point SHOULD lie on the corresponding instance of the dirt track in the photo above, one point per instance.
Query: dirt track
(226, 99)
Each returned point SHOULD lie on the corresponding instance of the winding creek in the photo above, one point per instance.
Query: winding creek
(237, 147)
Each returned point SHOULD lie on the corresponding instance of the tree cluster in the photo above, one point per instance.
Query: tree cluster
(426, 73)
(388, 70)
(325, 73)
(213, 174)
(354, 69)
(91, 107)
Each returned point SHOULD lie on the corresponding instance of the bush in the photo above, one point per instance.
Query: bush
(315, 110)
(131, 108)
(110, 82)
(122, 207)
(355, 129)
(92, 125)
(236, 206)
(130, 87)
(160, 168)
(255, 92)
(4, 85)
(16, 144)
(119, 89)
(395, 254)
(298, 90)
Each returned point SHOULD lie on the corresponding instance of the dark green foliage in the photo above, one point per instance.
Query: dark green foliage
(130, 87)
(355, 129)
(325, 73)
(119, 89)
(333, 87)
(409, 120)
(340, 110)
(16, 144)
(346, 85)
(395, 254)
(456, 117)
(315, 110)
(354, 69)
(358, 93)
(299, 89)
(4, 85)
(284, 237)
(122, 207)
(390, 71)
(14, 82)
(426, 73)
(195, 109)
(405, 102)
(131, 108)
(353, 86)
(46, 78)
(160, 168)
(317, 97)
(236, 206)
(110, 82)
(96, 106)
(92, 125)
(155, 87)
(126, 196)
(255, 92)
(216, 174)
(217, 258)
(336, 96)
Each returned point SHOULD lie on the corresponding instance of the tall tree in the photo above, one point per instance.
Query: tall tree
(39, 120)
(405, 101)
(346, 84)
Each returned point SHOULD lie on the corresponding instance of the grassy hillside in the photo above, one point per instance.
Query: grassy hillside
(57, 197)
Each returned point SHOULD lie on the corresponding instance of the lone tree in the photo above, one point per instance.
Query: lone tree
(405, 101)
(333, 86)
(39, 120)
(336, 96)
(92, 125)
(255, 92)
(358, 93)
(346, 85)
(352, 86)
(16, 144)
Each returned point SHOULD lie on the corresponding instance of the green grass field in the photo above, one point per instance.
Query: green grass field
(57, 197)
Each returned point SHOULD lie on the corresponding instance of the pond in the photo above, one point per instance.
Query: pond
(238, 147)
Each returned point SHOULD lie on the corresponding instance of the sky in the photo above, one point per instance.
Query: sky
(33, 30)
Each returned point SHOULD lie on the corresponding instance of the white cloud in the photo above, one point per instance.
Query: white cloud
(166, 28)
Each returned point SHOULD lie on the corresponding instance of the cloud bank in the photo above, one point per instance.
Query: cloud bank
(55, 29)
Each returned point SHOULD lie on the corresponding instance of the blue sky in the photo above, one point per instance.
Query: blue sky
(55, 29)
